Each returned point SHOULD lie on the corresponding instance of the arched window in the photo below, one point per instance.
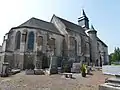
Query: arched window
(76, 47)
(18, 38)
(51, 44)
(40, 40)
(73, 46)
(24, 36)
(87, 48)
(31, 41)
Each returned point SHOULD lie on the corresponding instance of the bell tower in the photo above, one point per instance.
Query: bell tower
(93, 43)
(83, 21)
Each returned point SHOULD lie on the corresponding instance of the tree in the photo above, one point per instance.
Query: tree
(115, 57)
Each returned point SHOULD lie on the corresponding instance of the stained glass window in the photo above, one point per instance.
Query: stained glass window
(31, 41)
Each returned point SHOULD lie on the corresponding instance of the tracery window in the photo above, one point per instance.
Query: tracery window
(51, 44)
(73, 46)
(31, 41)
(24, 36)
(18, 38)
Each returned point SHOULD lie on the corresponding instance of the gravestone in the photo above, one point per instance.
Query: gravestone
(53, 65)
(38, 71)
(29, 72)
(5, 70)
(59, 69)
(75, 68)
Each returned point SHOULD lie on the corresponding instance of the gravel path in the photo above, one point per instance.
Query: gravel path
(54, 82)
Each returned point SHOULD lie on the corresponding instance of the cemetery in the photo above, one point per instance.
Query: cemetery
(80, 75)
(53, 55)
(95, 79)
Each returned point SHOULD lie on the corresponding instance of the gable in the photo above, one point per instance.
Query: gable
(71, 26)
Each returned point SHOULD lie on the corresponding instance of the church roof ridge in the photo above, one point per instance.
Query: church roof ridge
(33, 18)
(72, 26)
(38, 23)
(102, 42)
(69, 22)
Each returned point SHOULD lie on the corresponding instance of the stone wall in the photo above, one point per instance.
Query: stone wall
(28, 59)
(9, 58)
(81, 49)
(103, 53)
(0, 48)
(93, 46)
(69, 50)
(59, 25)
(10, 46)
(62, 29)
(106, 55)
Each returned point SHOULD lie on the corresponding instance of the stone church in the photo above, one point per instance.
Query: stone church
(53, 43)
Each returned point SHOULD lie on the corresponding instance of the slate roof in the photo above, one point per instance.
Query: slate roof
(102, 42)
(40, 24)
(72, 26)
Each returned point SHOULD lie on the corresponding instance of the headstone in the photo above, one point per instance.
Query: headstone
(29, 72)
(38, 71)
(53, 65)
(59, 69)
(5, 69)
(75, 68)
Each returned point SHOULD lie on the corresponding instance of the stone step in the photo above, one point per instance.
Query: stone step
(113, 84)
(108, 86)
(113, 80)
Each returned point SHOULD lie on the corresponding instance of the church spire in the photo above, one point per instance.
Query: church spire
(83, 20)
(83, 13)
(92, 28)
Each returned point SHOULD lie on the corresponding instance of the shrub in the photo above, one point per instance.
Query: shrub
(83, 70)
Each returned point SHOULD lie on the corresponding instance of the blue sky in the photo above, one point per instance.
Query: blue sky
(103, 14)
